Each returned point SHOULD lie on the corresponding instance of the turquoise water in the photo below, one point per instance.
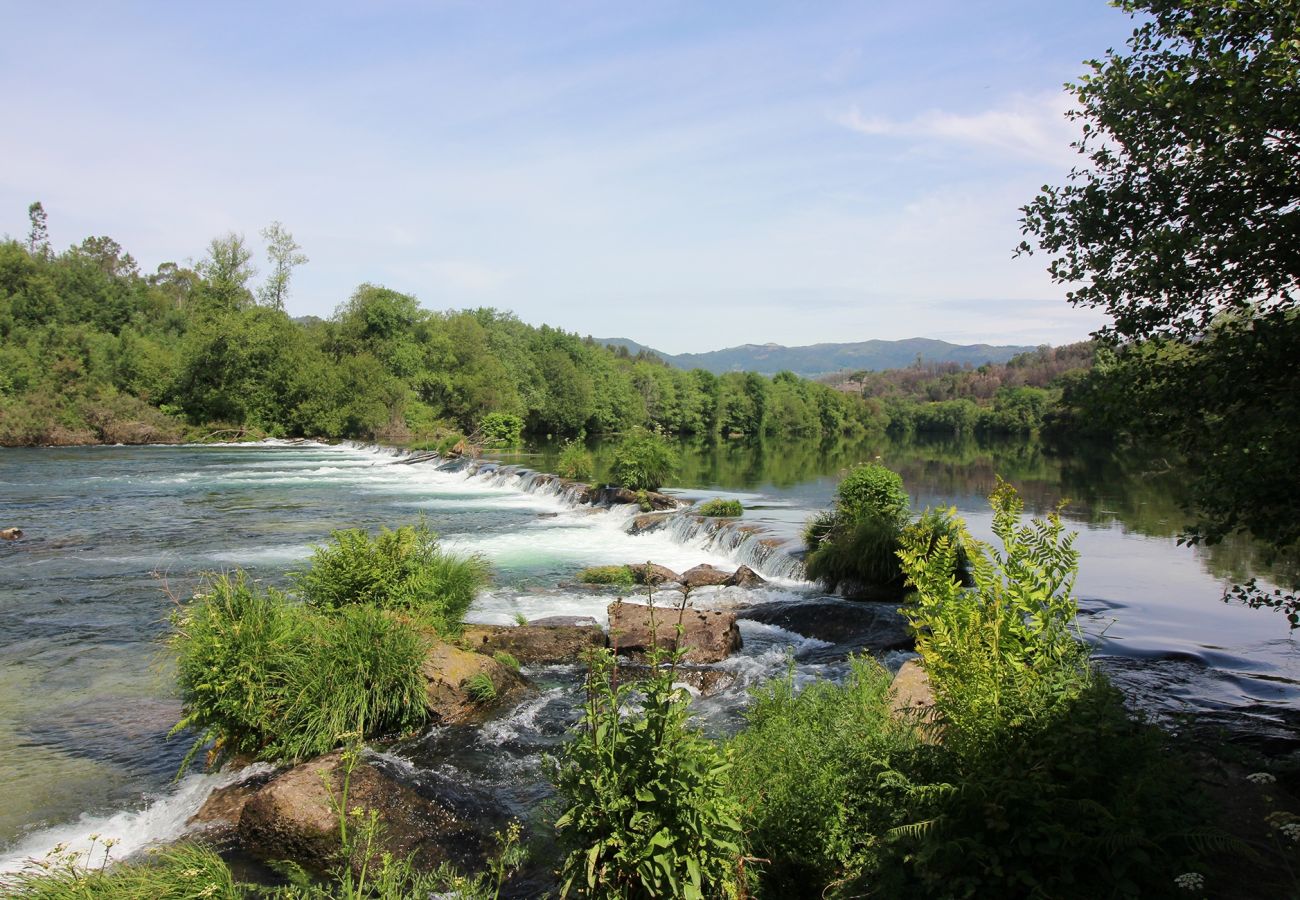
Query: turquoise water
(114, 533)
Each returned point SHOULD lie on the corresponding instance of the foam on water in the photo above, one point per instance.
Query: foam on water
(162, 819)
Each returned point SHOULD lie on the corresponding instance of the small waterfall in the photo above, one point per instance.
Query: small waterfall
(746, 543)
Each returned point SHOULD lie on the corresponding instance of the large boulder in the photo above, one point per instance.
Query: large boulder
(708, 635)
(708, 680)
(611, 496)
(450, 676)
(534, 642)
(851, 626)
(704, 575)
(649, 522)
(745, 577)
(653, 573)
(225, 805)
(295, 816)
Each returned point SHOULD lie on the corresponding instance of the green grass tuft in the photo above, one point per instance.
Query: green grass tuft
(719, 508)
(508, 660)
(481, 688)
(617, 575)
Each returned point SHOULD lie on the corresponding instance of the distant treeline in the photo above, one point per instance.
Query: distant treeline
(91, 350)
(1029, 392)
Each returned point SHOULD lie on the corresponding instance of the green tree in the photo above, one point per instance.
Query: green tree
(1183, 223)
(282, 252)
(227, 270)
(38, 236)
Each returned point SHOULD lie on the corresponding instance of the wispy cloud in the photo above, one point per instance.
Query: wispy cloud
(1031, 128)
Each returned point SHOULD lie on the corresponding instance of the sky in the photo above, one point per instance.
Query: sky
(688, 175)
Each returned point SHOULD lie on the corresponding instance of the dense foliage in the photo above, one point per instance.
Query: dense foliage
(403, 570)
(1181, 223)
(91, 350)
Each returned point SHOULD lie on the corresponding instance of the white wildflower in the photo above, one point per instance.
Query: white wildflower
(1260, 778)
(1190, 881)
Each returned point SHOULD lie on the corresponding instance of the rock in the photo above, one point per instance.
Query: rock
(225, 806)
(708, 635)
(293, 817)
(648, 522)
(534, 642)
(911, 689)
(851, 626)
(447, 673)
(10, 534)
(707, 681)
(745, 577)
(563, 620)
(704, 575)
(610, 496)
(653, 573)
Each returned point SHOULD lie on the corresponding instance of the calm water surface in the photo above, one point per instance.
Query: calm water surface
(114, 533)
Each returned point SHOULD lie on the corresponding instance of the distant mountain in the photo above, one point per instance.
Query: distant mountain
(821, 359)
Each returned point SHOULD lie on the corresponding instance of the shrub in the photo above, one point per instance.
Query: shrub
(262, 676)
(619, 575)
(500, 429)
(576, 462)
(719, 508)
(643, 461)
(861, 558)
(871, 491)
(480, 688)
(1041, 774)
(646, 807)
(821, 774)
(403, 570)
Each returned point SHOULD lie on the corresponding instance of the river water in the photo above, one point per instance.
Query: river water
(114, 535)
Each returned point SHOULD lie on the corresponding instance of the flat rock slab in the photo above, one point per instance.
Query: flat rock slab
(708, 635)
(850, 626)
(704, 575)
(534, 642)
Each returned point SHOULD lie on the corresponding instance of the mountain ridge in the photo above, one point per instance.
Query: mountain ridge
(812, 360)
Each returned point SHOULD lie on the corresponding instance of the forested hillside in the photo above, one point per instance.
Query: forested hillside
(92, 349)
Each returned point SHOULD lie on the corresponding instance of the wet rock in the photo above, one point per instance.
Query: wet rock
(448, 672)
(653, 573)
(852, 626)
(563, 620)
(708, 635)
(294, 816)
(535, 642)
(225, 806)
(707, 681)
(10, 534)
(745, 577)
(647, 522)
(704, 575)
(610, 496)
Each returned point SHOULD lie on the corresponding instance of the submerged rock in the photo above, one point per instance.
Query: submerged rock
(649, 522)
(706, 680)
(708, 635)
(852, 626)
(10, 534)
(295, 816)
(536, 642)
(451, 676)
(225, 806)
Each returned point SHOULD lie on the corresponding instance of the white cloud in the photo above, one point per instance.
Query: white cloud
(1032, 128)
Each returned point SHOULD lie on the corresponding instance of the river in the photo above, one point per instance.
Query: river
(114, 534)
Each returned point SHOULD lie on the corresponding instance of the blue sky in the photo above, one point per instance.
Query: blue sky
(689, 175)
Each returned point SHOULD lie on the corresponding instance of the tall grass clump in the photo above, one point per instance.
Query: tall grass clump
(643, 461)
(262, 676)
(177, 872)
(1042, 784)
(402, 570)
(646, 810)
(823, 776)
